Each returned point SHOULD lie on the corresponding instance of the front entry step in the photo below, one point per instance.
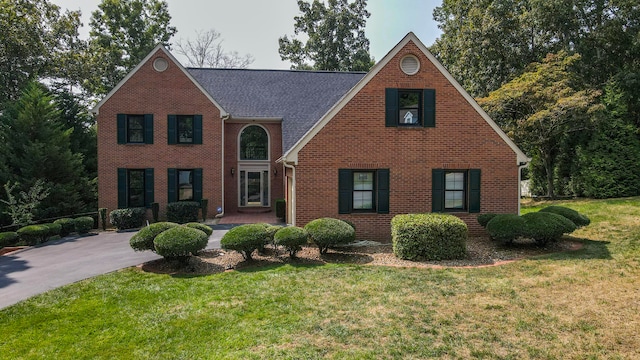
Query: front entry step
(254, 210)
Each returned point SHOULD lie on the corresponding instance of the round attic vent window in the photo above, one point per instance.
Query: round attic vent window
(410, 64)
(160, 64)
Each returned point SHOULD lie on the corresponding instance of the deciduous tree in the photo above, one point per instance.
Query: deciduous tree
(206, 51)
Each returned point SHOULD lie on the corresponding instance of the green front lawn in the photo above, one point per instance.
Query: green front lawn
(579, 305)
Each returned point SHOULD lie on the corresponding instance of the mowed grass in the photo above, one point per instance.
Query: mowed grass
(578, 305)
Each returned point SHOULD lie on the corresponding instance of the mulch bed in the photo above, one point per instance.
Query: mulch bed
(480, 252)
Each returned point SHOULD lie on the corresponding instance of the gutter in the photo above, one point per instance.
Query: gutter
(220, 215)
(293, 191)
(521, 166)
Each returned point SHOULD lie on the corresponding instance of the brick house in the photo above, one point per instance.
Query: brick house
(402, 138)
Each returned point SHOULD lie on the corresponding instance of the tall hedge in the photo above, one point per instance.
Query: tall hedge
(428, 237)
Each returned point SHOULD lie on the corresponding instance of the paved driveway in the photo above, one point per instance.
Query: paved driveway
(38, 269)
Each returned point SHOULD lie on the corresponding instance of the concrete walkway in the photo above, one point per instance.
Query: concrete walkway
(32, 271)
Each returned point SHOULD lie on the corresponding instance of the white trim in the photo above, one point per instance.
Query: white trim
(292, 154)
(96, 109)
(268, 159)
(254, 168)
(292, 221)
(404, 70)
(243, 120)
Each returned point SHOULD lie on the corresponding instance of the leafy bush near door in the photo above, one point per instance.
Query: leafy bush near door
(129, 218)
(180, 242)
(245, 239)
(291, 238)
(143, 239)
(183, 211)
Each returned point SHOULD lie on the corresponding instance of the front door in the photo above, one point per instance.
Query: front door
(254, 188)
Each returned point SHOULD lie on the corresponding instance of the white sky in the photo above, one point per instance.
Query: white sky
(254, 26)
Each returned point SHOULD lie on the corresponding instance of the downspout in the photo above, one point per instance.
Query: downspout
(293, 192)
(221, 214)
(521, 166)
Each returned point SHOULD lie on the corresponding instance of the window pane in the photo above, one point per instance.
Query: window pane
(136, 188)
(454, 181)
(185, 129)
(409, 106)
(409, 99)
(135, 129)
(185, 185)
(362, 181)
(265, 188)
(363, 200)
(243, 190)
(454, 199)
(408, 116)
(254, 144)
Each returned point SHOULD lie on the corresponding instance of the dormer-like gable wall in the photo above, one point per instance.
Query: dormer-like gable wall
(358, 137)
(160, 94)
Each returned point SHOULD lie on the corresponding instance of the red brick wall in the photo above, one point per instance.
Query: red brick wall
(356, 138)
(231, 137)
(160, 94)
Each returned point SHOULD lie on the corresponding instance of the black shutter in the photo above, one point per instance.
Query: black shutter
(197, 129)
(172, 132)
(383, 191)
(474, 190)
(437, 191)
(171, 185)
(122, 128)
(391, 107)
(148, 187)
(148, 128)
(429, 108)
(345, 191)
(197, 184)
(122, 188)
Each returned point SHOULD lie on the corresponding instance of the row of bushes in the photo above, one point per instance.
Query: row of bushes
(545, 226)
(37, 234)
(324, 233)
(171, 240)
(177, 212)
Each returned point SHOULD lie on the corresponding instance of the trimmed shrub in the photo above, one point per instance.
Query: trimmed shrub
(202, 227)
(143, 239)
(350, 223)
(545, 227)
(244, 239)
(102, 212)
(180, 242)
(183, 212)
(505, 228)
(33, 234)
(67, 224)
(327, 232)
(8, 238)
(54, 229)
(483, 219)
(130, 218)
(292, 238)
(577, 218)
(83, 224)
(428, 237)
(204, 207)
(155, 211)
(281, 209)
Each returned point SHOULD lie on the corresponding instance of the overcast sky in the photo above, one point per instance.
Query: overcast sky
(254, 26)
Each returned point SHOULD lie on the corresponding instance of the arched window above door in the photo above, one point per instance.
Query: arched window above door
(254, 143)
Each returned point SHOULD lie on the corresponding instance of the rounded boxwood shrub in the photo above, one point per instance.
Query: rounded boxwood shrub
(577, 218)
(180, 242)
(505, 228)
(207, 229)
(327, 232)
(54, 229)
(130, 218)
(8, 238)
(291, 238)
(483, 219)
(244, 239)
(143, 239)
(83, 224)
(182, 212)
(428, 237)
(33, 234)
(67, 226)
(545, 227)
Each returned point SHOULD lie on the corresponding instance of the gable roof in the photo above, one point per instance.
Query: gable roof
(96, 109)
(299, 98)
(291, 155)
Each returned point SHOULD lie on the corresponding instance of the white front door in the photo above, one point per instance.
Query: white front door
(254, 187)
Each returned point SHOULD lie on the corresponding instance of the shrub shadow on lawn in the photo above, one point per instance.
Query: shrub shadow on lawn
(590, 250)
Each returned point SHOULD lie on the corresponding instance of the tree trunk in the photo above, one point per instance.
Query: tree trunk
(548, 167)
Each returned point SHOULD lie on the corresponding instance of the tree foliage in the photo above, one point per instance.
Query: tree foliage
(21, 207)
(206, 51)
(336, 39)
(122, 33)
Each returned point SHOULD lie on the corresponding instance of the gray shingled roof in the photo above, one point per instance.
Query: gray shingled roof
(300, 98)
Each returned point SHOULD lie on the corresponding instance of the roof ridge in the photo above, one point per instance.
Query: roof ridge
(280, 70)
